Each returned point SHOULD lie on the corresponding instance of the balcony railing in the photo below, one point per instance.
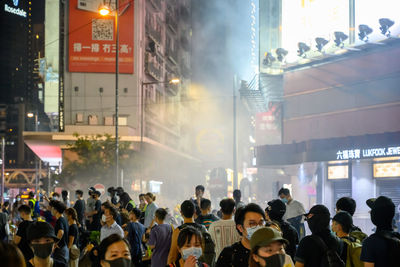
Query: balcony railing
(153, 68)
(172, 55)
(156, 4)
(171, 22)
(154, 34)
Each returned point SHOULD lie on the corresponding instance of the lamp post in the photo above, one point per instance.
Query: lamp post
(104, 11)
(38, 173)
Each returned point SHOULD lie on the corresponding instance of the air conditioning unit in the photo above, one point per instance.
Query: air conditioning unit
(93, 120)
(108, 121)
(79, 117)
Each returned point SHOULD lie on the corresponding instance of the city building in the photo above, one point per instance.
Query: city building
(334, 130)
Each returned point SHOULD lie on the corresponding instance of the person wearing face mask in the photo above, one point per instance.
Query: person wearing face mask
(42, 239)
(248, 220)
(379, 249)
(111, 193)
(90, 202)
(268, 249)
(114, 251)
(20, 238)
(311, 249)
(110, 227)
(95, 214)
(189, 248)
(14, 212)
(79, 206)
(294, 211)
(274, 212)
(61, 253)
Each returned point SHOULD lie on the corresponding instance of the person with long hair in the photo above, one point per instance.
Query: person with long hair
(73, 237)
(268, 249)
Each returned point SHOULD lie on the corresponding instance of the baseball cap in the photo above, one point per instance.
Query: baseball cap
(265, 236)
(40, 229)
(344, 218)
(380, 202)
(318, 209)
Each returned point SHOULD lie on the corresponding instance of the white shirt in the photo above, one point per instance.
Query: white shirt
(224, 234)
(113, 229)
(293, 209)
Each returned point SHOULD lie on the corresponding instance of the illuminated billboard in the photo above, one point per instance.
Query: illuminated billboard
(92, 43)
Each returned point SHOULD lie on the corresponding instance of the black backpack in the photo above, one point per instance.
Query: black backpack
(330, 257)
(393, 241)
(209, 246)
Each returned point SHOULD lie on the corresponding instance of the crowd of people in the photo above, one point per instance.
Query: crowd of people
(119, 232)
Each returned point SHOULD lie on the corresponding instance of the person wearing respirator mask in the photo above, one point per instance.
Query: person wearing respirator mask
(248, 220)
(268, 249)
(42, 239)
(114, 251)
(189, 247)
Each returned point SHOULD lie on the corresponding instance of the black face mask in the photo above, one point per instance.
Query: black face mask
(277, 260)
(120, 262)
(42, 250)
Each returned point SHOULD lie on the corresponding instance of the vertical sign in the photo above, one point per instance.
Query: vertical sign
(92, 37)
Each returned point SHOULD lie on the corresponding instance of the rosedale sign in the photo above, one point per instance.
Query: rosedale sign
(15, 10)
(368, 153)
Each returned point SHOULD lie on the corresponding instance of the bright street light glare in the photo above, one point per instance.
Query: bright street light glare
(175, 81)
(104, 10)
(30, 115)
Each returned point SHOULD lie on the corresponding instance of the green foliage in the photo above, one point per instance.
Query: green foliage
(96, 159)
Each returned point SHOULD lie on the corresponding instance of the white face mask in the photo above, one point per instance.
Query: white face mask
(195, 251)
(251, 230)
(103, 218)
(55, 198)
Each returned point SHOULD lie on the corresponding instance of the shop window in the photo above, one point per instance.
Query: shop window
(387, 167)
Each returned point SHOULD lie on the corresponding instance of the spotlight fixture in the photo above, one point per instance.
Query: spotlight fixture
(385, 25)
(321, 42)
(365, 30)
(281, 54)
(340, 37)
(303, 48)
(268, 59)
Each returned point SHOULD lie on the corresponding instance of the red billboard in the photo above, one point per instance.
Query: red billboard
(92, 37)
(268, 128)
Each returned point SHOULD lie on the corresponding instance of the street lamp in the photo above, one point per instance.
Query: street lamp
(174, 81)
(31, 115)
(37, 174)
(104, 11)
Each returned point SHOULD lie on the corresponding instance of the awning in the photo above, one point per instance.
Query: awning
(47, 152)
(330, 149)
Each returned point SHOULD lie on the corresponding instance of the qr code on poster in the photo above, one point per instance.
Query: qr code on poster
(102, 29)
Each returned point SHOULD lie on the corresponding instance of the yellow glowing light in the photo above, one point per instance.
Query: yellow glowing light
(175, 81)
(37, 36)
(104, 10)
(30, 115)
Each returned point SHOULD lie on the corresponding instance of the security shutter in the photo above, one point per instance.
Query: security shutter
(389, 188)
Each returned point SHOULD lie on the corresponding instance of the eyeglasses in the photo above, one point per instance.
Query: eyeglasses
(254, 223)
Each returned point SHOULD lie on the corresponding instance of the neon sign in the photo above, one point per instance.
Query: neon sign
(367, 153)
(14, 10)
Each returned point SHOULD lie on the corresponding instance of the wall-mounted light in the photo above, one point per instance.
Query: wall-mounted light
(340, 37)
(268, 59)
(303, 48)
(76, 88)
(101, 90)
(321, 42)
(281, 54)
(385, 25)
(364, 31)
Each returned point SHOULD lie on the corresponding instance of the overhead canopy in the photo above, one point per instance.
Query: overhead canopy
(330, 149)
(46, 150)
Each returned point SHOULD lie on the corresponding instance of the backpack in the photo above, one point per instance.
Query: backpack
(209, 246)
(330, 257)
(356, 233)
(353, 252)
(393, 241)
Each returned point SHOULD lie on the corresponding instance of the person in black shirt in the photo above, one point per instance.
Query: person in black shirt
(274, 212)
(6, 207)
(112, 194)
(199, 191)
(206, 217)
(80, 206)
(20, 238)
(96, 213)
(248, 220)
(310, 251)
(60, 254)
(73, 237)
(376, 249)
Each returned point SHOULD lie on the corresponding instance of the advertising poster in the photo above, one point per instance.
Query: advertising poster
(92, 37)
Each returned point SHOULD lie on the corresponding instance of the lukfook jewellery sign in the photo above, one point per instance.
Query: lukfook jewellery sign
(358, 153)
